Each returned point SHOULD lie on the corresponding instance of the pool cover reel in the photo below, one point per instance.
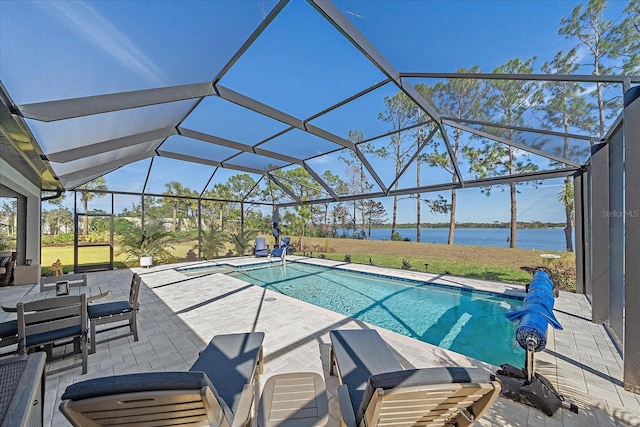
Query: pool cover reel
(524, 385)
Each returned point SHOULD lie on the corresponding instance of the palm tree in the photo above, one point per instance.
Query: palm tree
(213, 241)
(86, 195)
(174, 188)
(241, 240)
(151, 241)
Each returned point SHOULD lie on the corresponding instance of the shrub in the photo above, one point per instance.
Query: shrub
(406, 265)
(48, 239)
(396, 237)
(563, 274)
(347, 257)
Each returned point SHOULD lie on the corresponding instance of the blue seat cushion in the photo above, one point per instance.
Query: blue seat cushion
(58, 334)
(143, 382)
(8, 329)
(132, 383)
(229, 361)
(361, 353)
(108, 309)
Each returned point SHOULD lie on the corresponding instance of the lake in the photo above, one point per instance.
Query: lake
(544, 239)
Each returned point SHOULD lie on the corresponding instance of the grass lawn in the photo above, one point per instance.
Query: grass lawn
(481, 262)
(499, 264)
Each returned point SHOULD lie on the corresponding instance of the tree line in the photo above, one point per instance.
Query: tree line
(603, 47)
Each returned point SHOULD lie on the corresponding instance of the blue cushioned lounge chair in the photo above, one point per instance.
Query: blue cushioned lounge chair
(375, 390)
(283, 249)
(218, 389)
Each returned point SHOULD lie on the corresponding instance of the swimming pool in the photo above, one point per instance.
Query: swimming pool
(466, 322)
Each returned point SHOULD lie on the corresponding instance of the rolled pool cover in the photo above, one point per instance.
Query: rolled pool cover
(536, 313)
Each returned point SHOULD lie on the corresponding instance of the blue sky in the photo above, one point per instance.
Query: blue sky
(56, 50)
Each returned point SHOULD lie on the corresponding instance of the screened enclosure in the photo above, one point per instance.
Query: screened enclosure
(271, 105)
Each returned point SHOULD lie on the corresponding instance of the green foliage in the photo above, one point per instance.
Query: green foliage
(213, 242)
(100, 237)
(563, 274)
(396, 237)
(153, 241)
(242, 240)
(347, 257)
(406, 265)
(4, 242)
(86, 195)
(444, 266)
(121, 225)
(66, 238)
(99, 225)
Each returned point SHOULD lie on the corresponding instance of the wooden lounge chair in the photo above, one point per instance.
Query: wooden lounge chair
(392, 396)
(219, 389)
(54, 322)
(116, 312)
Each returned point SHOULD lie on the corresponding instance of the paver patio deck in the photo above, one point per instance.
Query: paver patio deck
(180, 314)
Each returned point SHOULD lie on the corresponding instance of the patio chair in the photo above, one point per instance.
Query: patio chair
(8, 334)
(394, 396)
(219, 389)
(53, 322)
(260, 248)
(283, 249)
(116, 312)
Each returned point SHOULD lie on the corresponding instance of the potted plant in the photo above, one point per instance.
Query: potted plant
(146, 244)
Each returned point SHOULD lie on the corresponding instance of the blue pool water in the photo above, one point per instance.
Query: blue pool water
(470, 323)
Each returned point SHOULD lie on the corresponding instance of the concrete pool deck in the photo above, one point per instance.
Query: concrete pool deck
(180, 314)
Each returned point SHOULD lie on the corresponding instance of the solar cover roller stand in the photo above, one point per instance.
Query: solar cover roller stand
(534, 317)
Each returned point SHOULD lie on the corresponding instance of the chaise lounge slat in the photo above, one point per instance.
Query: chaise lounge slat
(219, 389)
(395, 397)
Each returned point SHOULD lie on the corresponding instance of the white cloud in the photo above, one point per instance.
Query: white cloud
(85, 21)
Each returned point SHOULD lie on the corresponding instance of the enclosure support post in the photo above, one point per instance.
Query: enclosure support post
(199, 229)
(581, 210)
(631, 362)
(616, 218)
(242, 225)
(599, 254)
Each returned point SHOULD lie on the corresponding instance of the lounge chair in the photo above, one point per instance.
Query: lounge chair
(283, 249)
(218, 389)
(260, 248)
(374, 390)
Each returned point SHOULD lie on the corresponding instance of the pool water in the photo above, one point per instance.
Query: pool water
(465, 322)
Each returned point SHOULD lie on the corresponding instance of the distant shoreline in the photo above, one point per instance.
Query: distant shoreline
(521, 225)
